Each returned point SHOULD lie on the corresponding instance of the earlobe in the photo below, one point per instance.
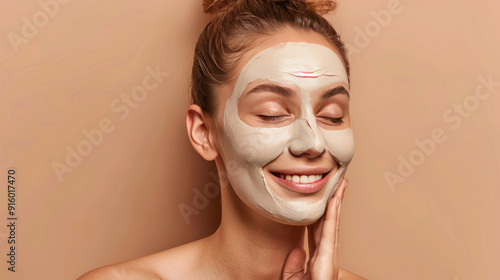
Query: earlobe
(198, 128)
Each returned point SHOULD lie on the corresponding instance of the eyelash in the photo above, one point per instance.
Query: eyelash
(334, 120)
(278, 118)
(271, 118)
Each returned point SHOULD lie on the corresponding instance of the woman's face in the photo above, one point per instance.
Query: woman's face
(285, 134)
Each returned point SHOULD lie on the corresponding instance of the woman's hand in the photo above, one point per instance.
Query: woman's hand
(323, 239)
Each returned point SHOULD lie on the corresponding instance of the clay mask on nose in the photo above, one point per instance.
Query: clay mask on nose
(246, 149)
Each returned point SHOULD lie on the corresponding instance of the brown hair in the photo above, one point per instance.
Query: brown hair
(236, 27)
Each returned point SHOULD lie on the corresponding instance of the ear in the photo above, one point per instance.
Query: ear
(200, 134)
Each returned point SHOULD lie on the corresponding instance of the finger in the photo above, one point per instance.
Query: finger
(336, 251)
(325, 263)
(329, 234)
(314, 233)
(338, 193)
(319, 229)
(316, 230)
(294, 264)
(310, 238)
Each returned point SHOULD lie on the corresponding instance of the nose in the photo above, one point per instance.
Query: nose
(306, 140)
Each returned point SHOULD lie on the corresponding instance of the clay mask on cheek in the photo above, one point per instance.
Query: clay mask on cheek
(247, 149)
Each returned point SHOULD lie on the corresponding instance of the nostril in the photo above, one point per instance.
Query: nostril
(310, 153)
(305, 140)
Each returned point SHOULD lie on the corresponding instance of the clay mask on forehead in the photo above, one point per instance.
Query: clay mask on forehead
(246, 149)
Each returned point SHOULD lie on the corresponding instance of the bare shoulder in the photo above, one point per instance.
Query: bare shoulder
(347, 275)
(118, 272)
(175, 263)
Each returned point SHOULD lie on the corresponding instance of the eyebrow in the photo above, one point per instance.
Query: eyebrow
(287, 92)
(335, 91)
(283, 91)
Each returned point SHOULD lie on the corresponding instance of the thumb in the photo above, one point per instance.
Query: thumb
(294, 264)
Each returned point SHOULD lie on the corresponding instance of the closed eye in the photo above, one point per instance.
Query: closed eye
(336, 121)
(272, 118)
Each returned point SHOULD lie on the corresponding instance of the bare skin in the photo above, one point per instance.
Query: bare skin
(195, 260)
(247, 244)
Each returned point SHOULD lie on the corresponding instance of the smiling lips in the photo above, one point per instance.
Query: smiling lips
(301, 183)
(301, 178)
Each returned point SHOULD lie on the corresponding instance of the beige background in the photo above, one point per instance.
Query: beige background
(122, 200)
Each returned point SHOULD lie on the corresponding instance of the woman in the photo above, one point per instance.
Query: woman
(270, 92)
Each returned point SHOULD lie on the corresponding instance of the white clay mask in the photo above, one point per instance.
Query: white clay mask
(247, 149)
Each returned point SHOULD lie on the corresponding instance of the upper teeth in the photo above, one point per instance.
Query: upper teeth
(301, 178)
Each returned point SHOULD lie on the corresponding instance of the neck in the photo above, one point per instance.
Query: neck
(248, 245)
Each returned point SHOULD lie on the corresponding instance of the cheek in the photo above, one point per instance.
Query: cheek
(257, 146)
(340, 144)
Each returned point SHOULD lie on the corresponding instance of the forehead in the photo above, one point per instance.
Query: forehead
(300, 63)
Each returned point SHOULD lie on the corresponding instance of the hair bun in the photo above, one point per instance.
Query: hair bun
(215, 7)
(322, 6)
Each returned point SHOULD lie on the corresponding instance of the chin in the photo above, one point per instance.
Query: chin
(298, 209)
(296, 218)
